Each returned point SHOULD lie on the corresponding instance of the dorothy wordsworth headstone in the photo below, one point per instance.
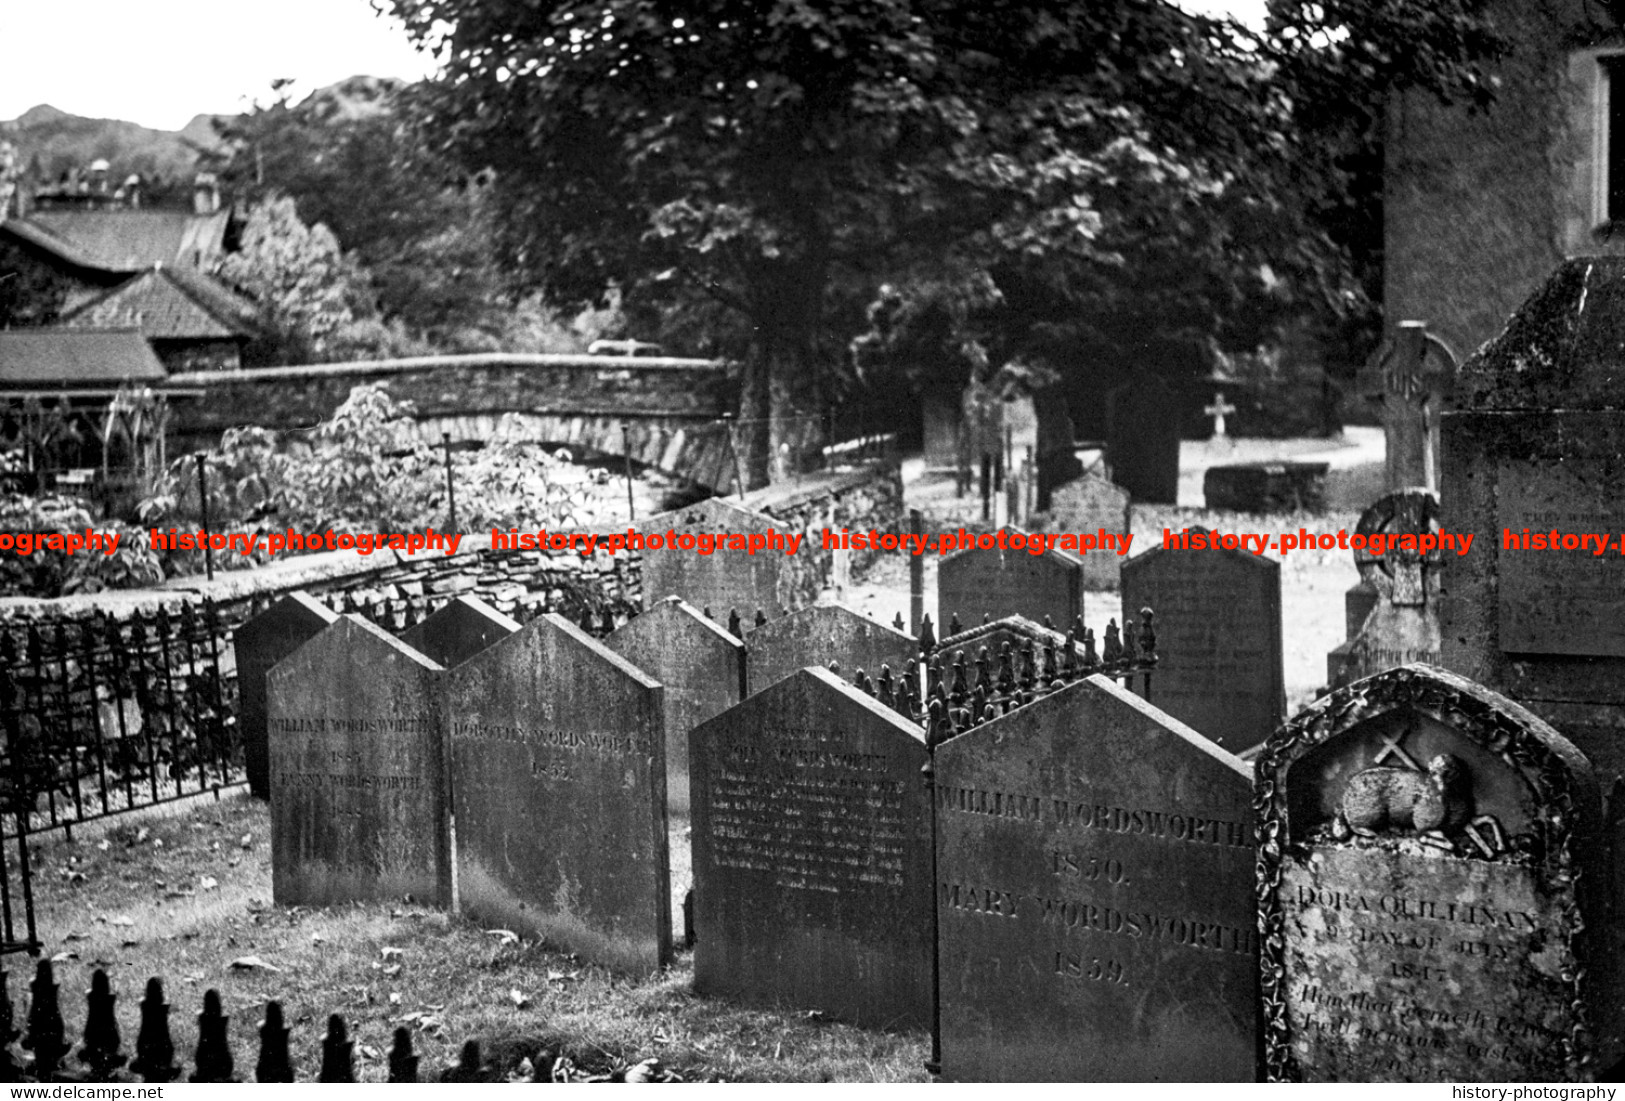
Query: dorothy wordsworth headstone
(1434, 891)
(258, 645)
(1094, 897)
(700, 665)
(358, 771)
(559, 749)
(812, 855)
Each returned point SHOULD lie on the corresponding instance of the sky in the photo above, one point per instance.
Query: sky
(161, 62)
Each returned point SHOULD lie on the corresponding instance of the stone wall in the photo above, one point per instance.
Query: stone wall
(1481, 205)
(863, 499)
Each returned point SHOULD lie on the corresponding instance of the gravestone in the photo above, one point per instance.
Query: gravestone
(812, 855)
(700, 665)
(820, 635)
(1219, 637)
(726, 579)
(1402, 625)
(1429, 891)
(559, 752)
(258, 645)
(1142, 441)
(1092, 505)
(1095, 868)
(458, 630)
(1413, 376)
(1266, 487)
(1536, 446)
(999, 582)
(358, 771)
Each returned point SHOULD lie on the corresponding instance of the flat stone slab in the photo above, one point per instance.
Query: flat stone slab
(812, 855)
(559, 749)
(359, 794)
(1095, 867)
(1266, 487)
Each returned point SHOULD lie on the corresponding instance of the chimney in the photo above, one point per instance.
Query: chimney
(206, 194)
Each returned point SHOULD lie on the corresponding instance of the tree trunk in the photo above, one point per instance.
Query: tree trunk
(752, 439)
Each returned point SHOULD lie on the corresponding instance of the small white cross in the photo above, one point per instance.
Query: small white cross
(1217, 411)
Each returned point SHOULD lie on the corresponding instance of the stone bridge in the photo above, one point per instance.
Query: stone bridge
(663, 412)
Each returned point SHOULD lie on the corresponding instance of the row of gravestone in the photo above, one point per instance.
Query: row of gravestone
(1409, 888)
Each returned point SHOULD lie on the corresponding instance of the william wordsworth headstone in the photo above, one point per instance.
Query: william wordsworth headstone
(459, 630)
(258, 645)
(1095, 897)
(726, 577)
(812, 855)
(700, 665)
(1429, 888)
(559, 749)
(358, 772)
(994, 583)
(820, 635)
(1218, 634)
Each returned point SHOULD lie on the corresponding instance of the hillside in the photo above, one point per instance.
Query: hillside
(61, 141)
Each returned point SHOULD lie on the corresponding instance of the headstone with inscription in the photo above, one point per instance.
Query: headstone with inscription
(1413, 376)
(1090, 505)
(558, 748)
(812, 855)
(1219, 636)
(995, 582)
(1433, 890)
(700, 665)
(458, 630)
(1403, 624)
(820, 635)
(258, 645)
(726, 578)
(1532, 460)
(1095, 867)
(358, 771)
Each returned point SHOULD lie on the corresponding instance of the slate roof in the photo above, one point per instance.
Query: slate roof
(76, 357)
(170, 302)
(43, 239)
(130, 240)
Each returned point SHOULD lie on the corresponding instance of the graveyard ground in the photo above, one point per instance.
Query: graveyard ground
(188, 898)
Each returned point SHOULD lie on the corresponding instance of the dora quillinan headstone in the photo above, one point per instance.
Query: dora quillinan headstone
(358, 771)
(558, 747)
(459, 630)
(1094, 897)
(1433, 890)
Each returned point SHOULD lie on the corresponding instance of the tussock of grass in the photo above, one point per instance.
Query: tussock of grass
(453, 983)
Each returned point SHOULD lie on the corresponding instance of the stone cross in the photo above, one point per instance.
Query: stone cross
(1413, 375)
(1218, 411)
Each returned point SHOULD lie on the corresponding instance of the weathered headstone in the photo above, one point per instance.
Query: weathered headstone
(812, 855)
(700, 665)
(1404, 582)
(728, 578)
(1142, 443)
(358, 771)
(1429, 882)
(559, 752)
(1095, 897)
(820, 635)
(1092, 505)
(1535, 452)
(458, 630)
(1413, 376)
(258, 645)
(997, 582)
(1219, 636)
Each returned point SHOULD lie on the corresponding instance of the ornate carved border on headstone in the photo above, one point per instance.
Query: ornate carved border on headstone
(1556, 843)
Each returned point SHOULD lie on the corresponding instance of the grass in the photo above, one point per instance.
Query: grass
(184, 897)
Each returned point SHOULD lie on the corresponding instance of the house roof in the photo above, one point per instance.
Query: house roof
(39, 237)
(132, 240)
(76, 357)
(170, 302)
